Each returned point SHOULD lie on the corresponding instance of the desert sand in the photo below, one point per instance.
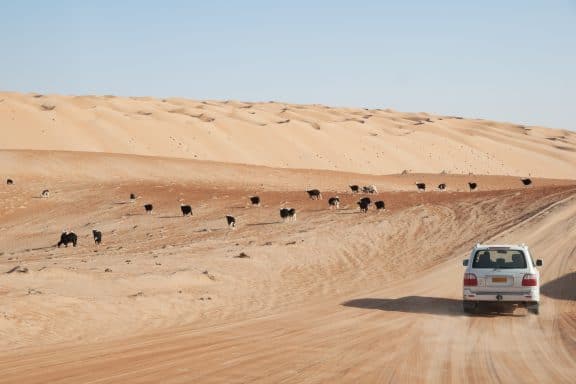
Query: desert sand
(336, 296)
(283, 135)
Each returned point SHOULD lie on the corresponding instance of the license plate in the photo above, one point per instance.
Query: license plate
(498, 279)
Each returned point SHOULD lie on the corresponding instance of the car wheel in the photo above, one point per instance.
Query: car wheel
(469, 307)
(535, 309)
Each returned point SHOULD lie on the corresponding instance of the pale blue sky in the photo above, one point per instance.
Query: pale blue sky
(503, 60)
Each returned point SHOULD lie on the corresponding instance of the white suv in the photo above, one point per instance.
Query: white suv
(501, 274)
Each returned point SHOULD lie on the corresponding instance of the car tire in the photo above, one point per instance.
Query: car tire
(535, 309)
(469, 307)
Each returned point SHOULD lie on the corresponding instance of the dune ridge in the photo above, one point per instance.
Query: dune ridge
(274, 134)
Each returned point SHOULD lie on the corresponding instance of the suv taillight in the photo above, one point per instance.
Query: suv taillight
(470, 280)
(529, 280)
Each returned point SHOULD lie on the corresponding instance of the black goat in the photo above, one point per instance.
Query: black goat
(334, 202)
(186, 210)
(363, 206)
(97, 236)
(288, 214)
(314, 194)
(379, 205)
(68, 237)
(366, 200)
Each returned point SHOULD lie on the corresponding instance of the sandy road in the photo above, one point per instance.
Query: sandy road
(409, 329)
(337, 296)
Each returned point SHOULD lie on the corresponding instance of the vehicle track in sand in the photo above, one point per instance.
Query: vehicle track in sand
(357, 298)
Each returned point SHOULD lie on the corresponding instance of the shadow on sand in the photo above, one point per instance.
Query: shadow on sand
(265, 223)
(429, 305)
(208, 230)
(563, 288)
(43, 248)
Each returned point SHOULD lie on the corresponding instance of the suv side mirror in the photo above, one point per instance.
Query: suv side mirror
(539, 262)
(465, 262)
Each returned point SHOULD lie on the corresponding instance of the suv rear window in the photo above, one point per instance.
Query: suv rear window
(499, 258)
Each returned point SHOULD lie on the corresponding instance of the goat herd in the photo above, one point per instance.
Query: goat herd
(286, 214)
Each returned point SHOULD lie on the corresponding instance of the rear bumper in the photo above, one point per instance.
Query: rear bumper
(527, 296)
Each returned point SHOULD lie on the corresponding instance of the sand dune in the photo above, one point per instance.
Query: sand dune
(336, 296)
(284, 135)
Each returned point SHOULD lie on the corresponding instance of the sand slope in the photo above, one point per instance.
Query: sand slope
(335, 296)
(284, 135)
